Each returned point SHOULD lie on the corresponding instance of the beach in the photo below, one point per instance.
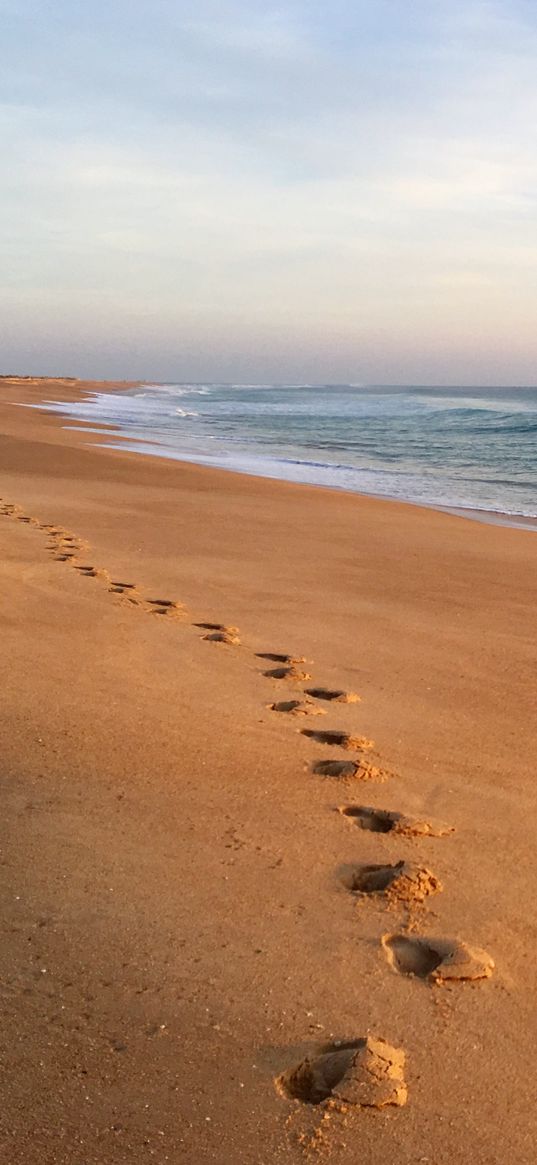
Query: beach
(182, 921)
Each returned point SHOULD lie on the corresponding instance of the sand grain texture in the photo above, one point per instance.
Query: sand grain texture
(174, 937)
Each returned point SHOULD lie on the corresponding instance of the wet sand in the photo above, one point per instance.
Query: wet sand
(183, 906)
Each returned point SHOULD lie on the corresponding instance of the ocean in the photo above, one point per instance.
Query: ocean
(469, 449)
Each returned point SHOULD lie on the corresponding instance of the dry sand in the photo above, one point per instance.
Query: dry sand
(179, 928)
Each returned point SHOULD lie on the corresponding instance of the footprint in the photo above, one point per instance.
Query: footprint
(278, 657)
(341, 739)
(218, 627)
(163, 606)
(403, 882)
(23, 518)
(89, 571)
(222, 637)
(366, 1073)
(122, 586)
(439, 960)
(297, 708)
(385, 821)
(287, 673)
(360, 770)
(336, 694)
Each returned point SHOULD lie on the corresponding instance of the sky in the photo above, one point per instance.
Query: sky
(249, 192)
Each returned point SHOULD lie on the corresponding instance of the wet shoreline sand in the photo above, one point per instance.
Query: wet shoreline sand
(124, 438)
(183, 898)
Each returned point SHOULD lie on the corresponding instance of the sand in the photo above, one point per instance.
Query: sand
(180, 932)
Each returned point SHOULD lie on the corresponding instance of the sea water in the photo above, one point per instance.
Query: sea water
(462, 448)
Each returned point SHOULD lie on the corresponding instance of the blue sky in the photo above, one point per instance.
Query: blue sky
(241, 191)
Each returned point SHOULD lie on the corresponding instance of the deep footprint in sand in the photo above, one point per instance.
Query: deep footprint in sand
(437, 960)
(405, 882)
(359, 770)
(366, 1073)
(339, 739)
(297, 708)
(218, 627)
(121, 588)
(336, 694)
(386, 821)
(289, 672)
(280, 657)
(222, 637)
(163, 606)
(92, 572)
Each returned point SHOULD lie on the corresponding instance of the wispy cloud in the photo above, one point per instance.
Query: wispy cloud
(347, 190)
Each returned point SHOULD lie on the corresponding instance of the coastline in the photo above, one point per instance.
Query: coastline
(494, 517)
(147, 447)
(178, 932)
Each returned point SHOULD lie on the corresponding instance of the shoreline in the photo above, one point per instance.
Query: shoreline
(179, 925)
(494, 517)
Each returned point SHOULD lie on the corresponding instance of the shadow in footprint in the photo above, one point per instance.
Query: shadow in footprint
(363, 1073)
(297, 708)
(336, 694)
(439, 960)
(280, 657)
(223, 627)
(360, 770)
(222, 637)
(386, 821)
(339, 739)
(404, 881)
(376, 820)
(287, 673)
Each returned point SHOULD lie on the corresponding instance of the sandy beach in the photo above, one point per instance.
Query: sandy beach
(186, 914)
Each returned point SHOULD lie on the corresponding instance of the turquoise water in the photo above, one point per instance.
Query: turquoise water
(462, 448)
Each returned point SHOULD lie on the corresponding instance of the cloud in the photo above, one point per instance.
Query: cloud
(352, 172)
